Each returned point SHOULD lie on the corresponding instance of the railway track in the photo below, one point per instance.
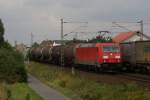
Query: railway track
(142, 80)
(139, 79)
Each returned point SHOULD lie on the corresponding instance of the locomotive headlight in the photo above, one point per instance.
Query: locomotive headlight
(117, 57)
(105, 57)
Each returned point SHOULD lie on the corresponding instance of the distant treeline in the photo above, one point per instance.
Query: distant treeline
(99, 38)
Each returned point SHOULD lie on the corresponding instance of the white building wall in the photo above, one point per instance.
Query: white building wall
(56, 44)
(135, 38)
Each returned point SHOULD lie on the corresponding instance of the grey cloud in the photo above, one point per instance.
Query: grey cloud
(42, 17)
(39, 3)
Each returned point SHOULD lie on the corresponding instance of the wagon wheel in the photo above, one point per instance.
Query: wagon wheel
(144, 70)
(148, 69)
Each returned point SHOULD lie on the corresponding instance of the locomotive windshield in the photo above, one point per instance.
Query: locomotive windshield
(110, 49)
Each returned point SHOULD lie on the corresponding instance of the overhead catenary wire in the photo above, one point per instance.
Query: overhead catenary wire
(123, 27)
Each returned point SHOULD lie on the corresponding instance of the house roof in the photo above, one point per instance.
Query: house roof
(122, 36)
(126, 35)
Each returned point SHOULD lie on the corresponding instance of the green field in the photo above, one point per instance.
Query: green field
(18, 91)
(82, 89)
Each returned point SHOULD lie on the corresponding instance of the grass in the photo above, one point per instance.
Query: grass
(82, 89)
(3, 92)
(18, 91)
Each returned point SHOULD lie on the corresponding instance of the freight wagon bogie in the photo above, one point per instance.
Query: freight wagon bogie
(143, 68)
(111, 67)
(138, 68)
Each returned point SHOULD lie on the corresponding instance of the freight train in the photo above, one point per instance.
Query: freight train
(132, 55)
(89, 54)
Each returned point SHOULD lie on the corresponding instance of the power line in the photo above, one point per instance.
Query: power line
(130, 22)
(74, 31)
(75, 22)
(123, 27)
(141, 27)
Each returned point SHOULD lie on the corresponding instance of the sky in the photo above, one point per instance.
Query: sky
(42, 17)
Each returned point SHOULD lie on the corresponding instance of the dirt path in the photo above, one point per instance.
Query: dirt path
(44, 91)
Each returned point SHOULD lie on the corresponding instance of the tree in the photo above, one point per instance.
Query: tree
(35, 44)
(12, 68)
(2, 30)
(102, 37)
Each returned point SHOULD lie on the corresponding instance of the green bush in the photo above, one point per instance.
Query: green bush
(12, 68)
(6, 45)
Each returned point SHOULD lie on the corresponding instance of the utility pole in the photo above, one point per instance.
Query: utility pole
(76, 35)
(141, 31)
(32, 36)
(62, 43)
(15, 43)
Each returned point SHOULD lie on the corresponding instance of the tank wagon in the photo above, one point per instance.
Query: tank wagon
(46, 53)
(35, 53)
(68, 51)
(56, 54)
(41, 53)
(136, 54)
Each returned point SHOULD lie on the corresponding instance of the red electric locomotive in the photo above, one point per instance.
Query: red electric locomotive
(98, 54)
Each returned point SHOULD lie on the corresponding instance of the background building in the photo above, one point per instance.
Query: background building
(129, 36)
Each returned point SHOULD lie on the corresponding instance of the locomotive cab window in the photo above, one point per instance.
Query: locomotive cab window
(111, 49)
